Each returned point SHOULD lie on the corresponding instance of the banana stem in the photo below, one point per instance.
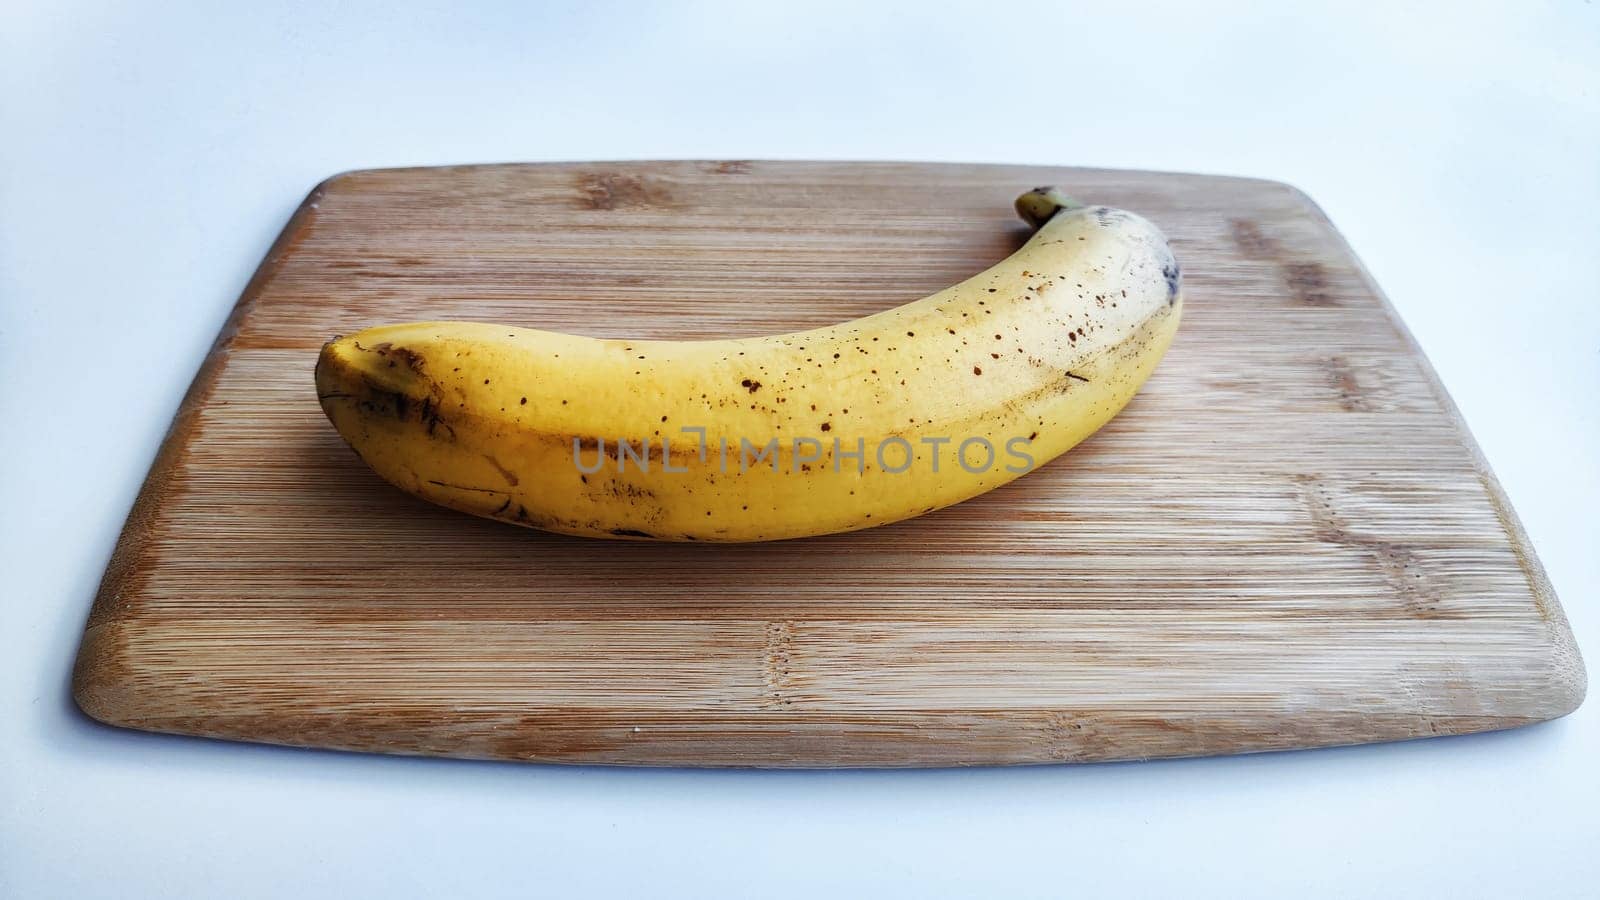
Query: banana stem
(1038, 205)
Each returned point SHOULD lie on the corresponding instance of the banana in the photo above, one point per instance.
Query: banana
(850, 426)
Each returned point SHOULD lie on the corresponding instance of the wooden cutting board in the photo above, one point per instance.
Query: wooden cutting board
(1287, 540)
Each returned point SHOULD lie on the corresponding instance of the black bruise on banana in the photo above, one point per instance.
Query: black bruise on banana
(381, 400)
(396, 404)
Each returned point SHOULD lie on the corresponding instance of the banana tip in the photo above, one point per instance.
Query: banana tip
(1038, 205)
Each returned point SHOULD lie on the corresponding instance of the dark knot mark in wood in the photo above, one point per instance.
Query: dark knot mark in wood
(1251, 242)
(1346, 386)
(609, 190)
(777, 664)
(1309, 283)
(1400, 566)
(1306, 281)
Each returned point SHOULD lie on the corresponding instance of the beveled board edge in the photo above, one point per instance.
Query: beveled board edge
(1573, 676)
(97, 673)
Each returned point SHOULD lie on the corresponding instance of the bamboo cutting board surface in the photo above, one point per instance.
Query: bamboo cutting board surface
(1287, 540)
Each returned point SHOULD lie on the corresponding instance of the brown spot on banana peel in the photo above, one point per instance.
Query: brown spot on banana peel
(632, 492)
(410, 358)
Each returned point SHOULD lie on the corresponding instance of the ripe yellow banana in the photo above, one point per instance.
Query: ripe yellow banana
(839, 428)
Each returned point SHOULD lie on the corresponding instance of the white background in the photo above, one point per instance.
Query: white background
(149, 153)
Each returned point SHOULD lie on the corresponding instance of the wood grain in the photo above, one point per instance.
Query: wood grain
(1287, 540)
